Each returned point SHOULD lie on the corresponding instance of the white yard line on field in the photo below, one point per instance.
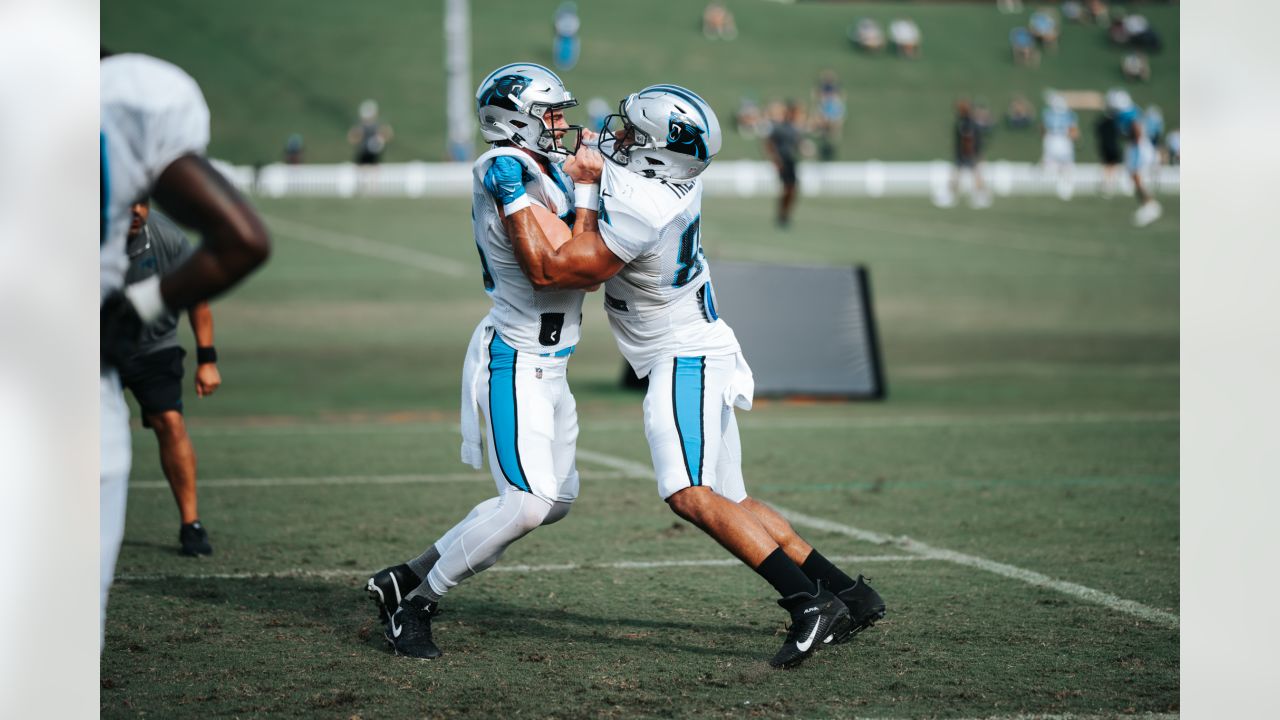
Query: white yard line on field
(357, 245)
(328, 574)
(410, 479)
(915, 547)
(746, 422)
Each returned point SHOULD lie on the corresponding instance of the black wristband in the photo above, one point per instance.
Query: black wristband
(206, 355)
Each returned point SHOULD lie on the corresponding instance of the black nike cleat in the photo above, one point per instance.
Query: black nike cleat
(814, 617)
(409, 629)
(865, 608)
(388, 587)
(194, 540)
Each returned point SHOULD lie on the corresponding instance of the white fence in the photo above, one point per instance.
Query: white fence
(734, 178)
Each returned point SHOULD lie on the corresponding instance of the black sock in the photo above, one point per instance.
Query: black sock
(784, 575)
(833, 578)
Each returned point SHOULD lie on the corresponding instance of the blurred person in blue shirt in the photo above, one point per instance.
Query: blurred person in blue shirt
(1139, 154)
(1060, 129)
(1023, 47)
(1044, 27)
(565, 47)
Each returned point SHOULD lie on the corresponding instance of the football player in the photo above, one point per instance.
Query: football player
(1139, 154)
(646, 248)
(1059, 131)
(517, 359)
(155, 126)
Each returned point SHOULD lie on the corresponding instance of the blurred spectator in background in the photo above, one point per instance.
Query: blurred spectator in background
(1134, 66)
(597, 110)
(1059, 131)
(1098, 12)
(717, 22)
(1139, 154)
(1021, 114)
(1073, 11)
(565, 46)
(782, 146)
(293, 149)
(1134, 30)
(1009, 7)
(1107, 133)
(748, 120)
(866, 35)
(1174, 145)
(369, 136)
(982, 115)
(1044, 28)
(905, 36)
(828, 124)
(1023, 46)
(968, 135)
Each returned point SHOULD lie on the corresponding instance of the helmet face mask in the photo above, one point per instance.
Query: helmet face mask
(663, 131)
(512, 104)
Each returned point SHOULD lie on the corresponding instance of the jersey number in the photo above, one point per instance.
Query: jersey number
(484, 266)
(690, 258)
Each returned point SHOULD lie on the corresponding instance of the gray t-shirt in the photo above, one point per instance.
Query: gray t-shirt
(160, 247)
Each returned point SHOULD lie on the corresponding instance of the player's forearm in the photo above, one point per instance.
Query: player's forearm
(234, 240)
(201, 317)
(586, 221)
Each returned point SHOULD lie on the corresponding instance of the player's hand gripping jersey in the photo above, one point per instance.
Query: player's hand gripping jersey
(526, 319)
(152, 114)
(661, 304)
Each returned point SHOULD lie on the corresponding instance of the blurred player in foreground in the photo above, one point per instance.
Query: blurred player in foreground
(155, 126)
(646, 247)
(516, 364)
(153, 372)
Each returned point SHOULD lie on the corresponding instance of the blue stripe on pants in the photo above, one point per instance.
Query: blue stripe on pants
(502, 411)
(687, 380)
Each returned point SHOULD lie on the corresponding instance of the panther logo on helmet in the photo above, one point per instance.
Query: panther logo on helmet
(500, 92)
(685, 137)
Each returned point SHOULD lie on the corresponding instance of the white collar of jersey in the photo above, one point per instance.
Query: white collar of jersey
(648, 197)
(560, 200)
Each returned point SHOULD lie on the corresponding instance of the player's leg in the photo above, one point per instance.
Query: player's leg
(683, 413)
(564, 450)
(115, 451)
(156, 381)
(518, 403)
(864, 603)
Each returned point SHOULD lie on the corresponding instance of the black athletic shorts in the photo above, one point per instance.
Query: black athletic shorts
(787, 173)
(155, 380)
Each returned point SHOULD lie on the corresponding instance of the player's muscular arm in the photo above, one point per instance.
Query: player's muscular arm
(235, 241)
(580, 263)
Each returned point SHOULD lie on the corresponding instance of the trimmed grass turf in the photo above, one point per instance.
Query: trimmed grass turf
(272, 69)
(1032, 419)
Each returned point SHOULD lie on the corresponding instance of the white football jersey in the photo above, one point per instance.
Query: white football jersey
(529, 320)
(152, 114)
(660, 304)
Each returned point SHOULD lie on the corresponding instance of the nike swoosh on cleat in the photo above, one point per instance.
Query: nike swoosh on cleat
(804, 646)
(395, 629)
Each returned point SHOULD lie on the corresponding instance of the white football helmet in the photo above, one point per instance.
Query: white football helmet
(1118, 100)
(511, 102)
(663, 131)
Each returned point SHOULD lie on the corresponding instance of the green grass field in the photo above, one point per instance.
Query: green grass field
(1031, 422)
(272, 69)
